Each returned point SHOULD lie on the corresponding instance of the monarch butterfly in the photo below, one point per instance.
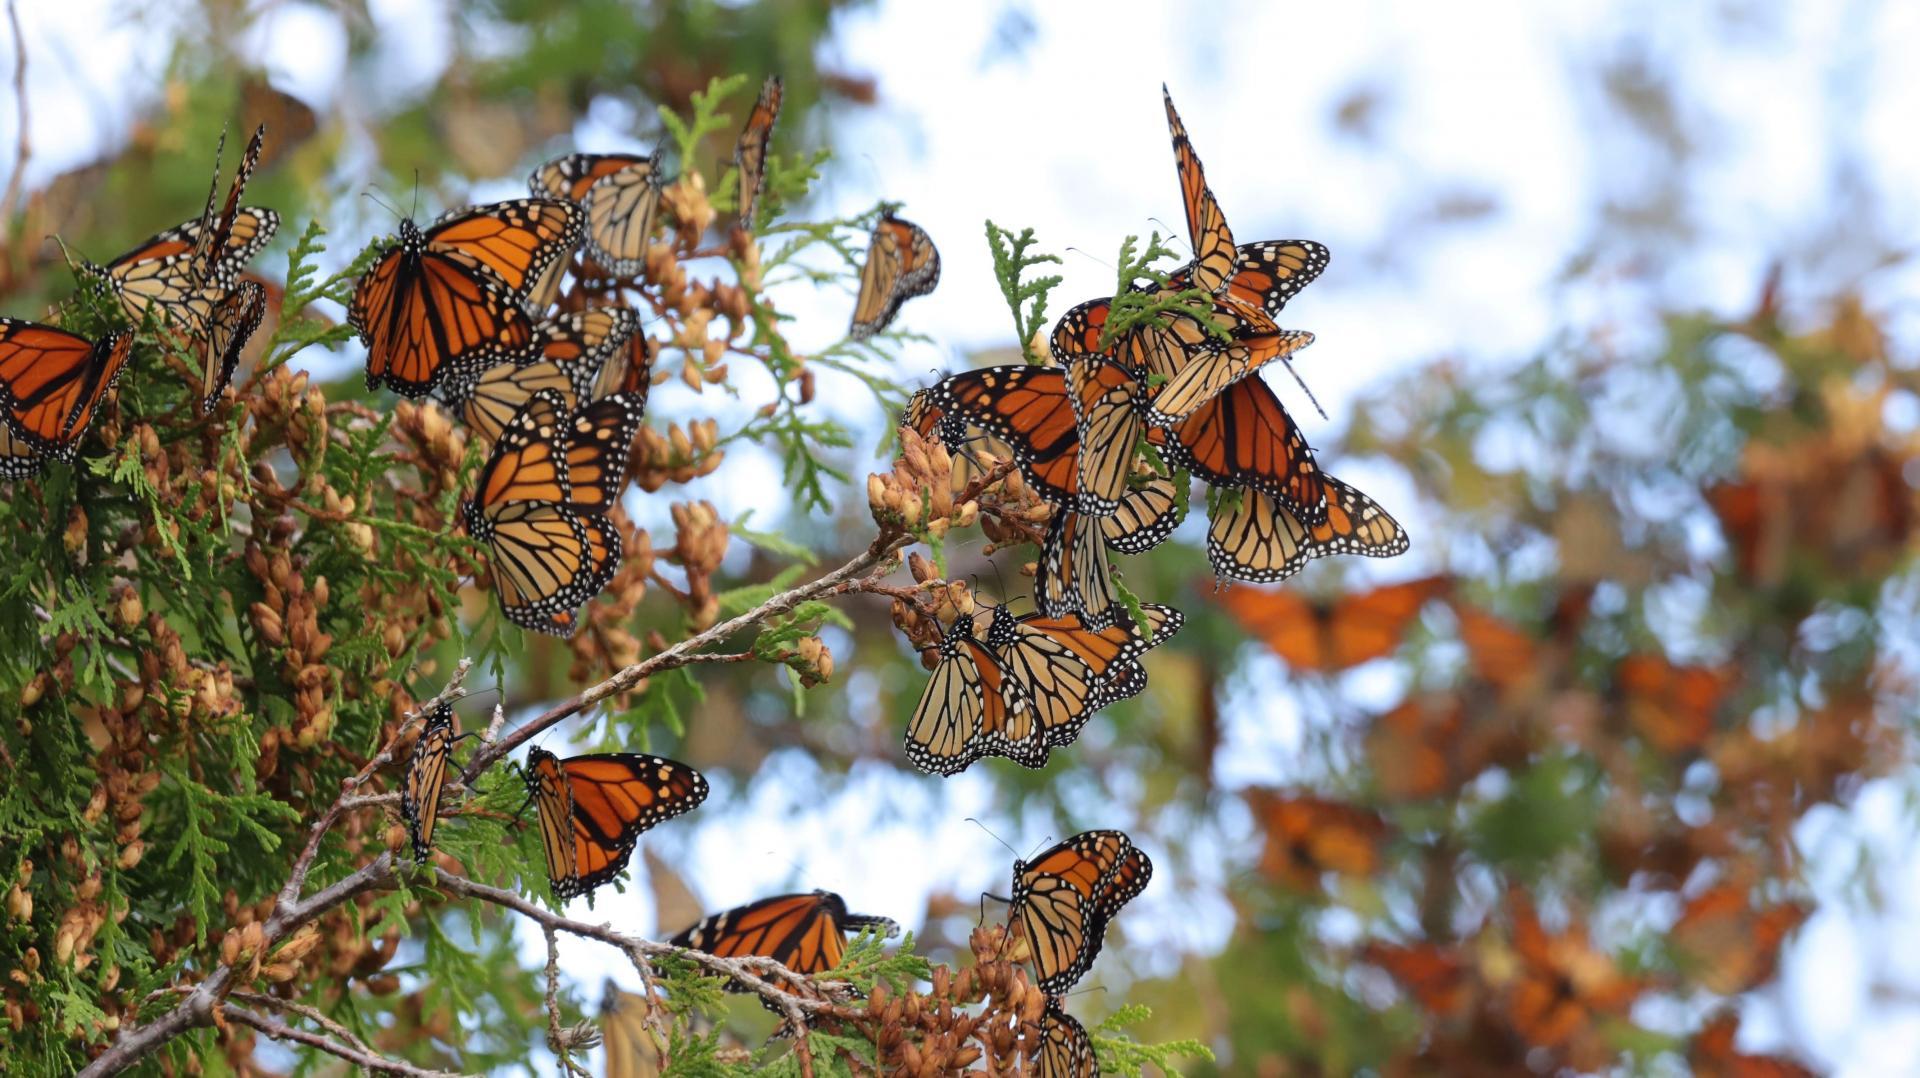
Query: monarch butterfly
(51, 381)
(1065, 1050)
(427, 314)
(572, 351)
(631, 1049)
(1213, 248)
(1259, 539)
(234, 321)
(1107, 419)
(967, 695)
(1064, 898)
(1433, 975)
(750, 153)
(1727, 943)
(1563, 988)
(1074, 575)
(594, 808)
(807, 933)
(427, 779)
(620, 194)
(629, 370)
(1244, 438)
(1218, 368)
(1267, 274)
(901, 263)
(540, 503)
(184, 271)
(1068, 671)
(1308, 837)
(1714, 1054)
(1332, 635)
(1027, 407)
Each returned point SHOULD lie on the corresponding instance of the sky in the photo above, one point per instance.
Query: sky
(1052, 120)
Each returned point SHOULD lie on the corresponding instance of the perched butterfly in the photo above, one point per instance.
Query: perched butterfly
(1107, 418)
(1026, 407)
(1242, 437)
(1255, 537)
(620, 194)
(429, 311)
(807, 933)
(184, 272)
(1065, 1050)
(1308, 837)
(1213, 248)
(594, 808)
(630, 1047)
(901, 264)
(629, 370)
(539, 505)
(1266, 274)
(570, 358)
(1064, 898)
(1330, 636)
(51, 381)
(967, 695)
(234, 321)
(427, 779)
(1052, 673)
(750, 153)
(1672, 707)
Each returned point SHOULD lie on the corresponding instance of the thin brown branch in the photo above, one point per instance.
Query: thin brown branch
(311, 1014)
(280, 1031)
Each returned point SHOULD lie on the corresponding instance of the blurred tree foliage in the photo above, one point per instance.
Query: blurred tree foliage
(1671, 580)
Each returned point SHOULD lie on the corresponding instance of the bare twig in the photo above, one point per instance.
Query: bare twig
(559, 1042)
(311, 1014)
(280, 1031)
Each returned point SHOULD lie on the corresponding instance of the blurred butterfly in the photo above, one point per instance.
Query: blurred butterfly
(540, 505)
(51, 382)
(1729, 944)
(807, 933)
(631, 1049)
(1564, 987)
(1307, 837)
(594, 808)
(1672, 707)
(1332, 635)
(234, 321)
(185, 271)
(571, 352)
(1435, 975)
(1420, 749)
(620, 194)
(901, 264)
(427, 779)
(750, 153)
(1257, 538)
(1065, 1050)
(1064, 898)
(1714, 1054)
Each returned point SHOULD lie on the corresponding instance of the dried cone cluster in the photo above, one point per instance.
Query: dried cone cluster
(946, 1030)
(917, 495)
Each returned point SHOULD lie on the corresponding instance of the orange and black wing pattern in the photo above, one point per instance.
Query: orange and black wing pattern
(539, 506)
(1213, 247)
(1068, 671)
(967, 701)
(1027, 407)
(594, 808)
(807, 933)
(620, 195)
(750, 153)
(427, 315)
(1242, 437)
(1257, 538)
(1064, 898)
(901, 263)
(1074, 575)
(572, 353)
(525, 243)
(51, 382)
(1267, 274)
(234, 321)
(426, 779)
(1106, 401)
(1330, 636)
(1308, 837)
(1064, 1050)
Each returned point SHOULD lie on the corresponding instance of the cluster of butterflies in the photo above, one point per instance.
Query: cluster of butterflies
(1084, 431)
(592, 810)
(186, 279)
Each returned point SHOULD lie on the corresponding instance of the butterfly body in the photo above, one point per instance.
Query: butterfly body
(594, 808)
(902, 263)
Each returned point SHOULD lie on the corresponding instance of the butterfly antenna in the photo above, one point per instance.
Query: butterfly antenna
(416, 194)
(996, 838)
(382, 203)
(1095, 259)
(1302, 383)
